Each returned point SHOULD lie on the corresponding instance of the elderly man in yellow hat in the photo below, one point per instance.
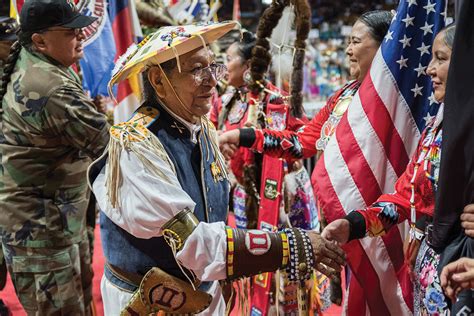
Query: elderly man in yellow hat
(163, 191)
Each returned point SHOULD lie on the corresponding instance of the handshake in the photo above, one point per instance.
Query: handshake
(229, 143)
(328, 255)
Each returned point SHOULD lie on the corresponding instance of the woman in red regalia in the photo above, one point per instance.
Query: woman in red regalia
(235, 112)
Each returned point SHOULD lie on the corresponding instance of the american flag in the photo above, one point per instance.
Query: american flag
(372, 145)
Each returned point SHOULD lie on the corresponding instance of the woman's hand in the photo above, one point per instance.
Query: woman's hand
(229, 142)
(457, 276)
(467, 220)
(339, 230)
(328, 256)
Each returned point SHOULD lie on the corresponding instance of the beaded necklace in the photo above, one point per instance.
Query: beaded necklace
(430, 153)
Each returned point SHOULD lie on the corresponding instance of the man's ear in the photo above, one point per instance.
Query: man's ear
(39, 42)
(155, 77)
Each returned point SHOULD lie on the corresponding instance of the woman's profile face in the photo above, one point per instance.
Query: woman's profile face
(236, 66)
(361, 50)
(439, 65)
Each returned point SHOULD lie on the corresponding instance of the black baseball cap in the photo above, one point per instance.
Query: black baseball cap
(38, 15)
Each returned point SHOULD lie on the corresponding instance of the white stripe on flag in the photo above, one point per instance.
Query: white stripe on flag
(340, 177)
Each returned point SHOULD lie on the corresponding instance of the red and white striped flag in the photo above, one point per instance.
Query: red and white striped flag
(126, 29)
(371, 148)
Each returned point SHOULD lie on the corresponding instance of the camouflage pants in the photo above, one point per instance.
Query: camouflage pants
(52, 281)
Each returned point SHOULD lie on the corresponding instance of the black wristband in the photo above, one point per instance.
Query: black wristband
(247, 137)
(357, 225)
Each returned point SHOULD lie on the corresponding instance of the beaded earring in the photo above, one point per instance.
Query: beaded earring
(247, 77)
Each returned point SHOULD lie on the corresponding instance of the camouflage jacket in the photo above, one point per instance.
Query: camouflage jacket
(50, 132)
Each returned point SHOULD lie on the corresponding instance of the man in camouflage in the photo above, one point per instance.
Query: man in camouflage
(50, 133)
(7, 37)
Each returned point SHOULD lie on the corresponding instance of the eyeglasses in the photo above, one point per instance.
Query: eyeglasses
(71, 31)
(201, 75)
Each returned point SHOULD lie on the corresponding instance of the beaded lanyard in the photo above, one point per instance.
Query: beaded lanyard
(430, 152)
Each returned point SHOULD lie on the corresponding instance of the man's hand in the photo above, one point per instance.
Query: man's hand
(229, 142)
(467, 220)
(457, 276)
(328, 256)
(339, 231)
(100, 103)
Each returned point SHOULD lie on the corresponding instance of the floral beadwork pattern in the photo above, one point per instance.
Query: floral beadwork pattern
(429, 298)
(173, 34)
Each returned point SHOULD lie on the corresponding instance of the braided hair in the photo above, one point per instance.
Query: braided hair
(261, 56)
(24, 40)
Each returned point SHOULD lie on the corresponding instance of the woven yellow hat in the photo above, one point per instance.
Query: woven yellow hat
(166, 43)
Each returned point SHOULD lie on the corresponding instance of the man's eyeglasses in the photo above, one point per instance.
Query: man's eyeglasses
(203, 75)
(70, 31)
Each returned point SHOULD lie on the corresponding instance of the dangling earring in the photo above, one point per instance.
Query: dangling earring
(247, 77)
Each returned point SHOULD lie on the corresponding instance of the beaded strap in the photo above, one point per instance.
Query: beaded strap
(301, 255)
(286, 250)
(308, 252)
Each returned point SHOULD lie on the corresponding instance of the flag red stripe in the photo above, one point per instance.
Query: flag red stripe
(382, 124)
(358, 167)
(366, 275)
(324, 184)
(394, 244)
(123, 91)
(123, 34)
(356, 303)
(19, 5)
